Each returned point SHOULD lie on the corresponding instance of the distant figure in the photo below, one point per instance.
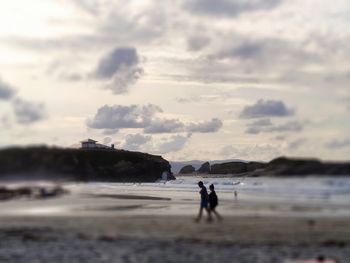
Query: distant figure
(213, 202)
(204, 202)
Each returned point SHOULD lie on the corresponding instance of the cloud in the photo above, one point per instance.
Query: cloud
(112, 118)
(268, 108)
(205, 127)
(165, 126)
(257, 152)
(6, 91)
(175, 126)
(107, 140)
(296, 143)
(110, 131)
(197, 42)
(257, 126)
(123, 117)
(120, 68)
(339, 143)
(134, 141)
(229, 8)
(174, 143)
(266, 126)
(115, 61)
(291, 126)
(27, 112)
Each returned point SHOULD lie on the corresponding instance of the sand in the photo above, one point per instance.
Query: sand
(100, 224)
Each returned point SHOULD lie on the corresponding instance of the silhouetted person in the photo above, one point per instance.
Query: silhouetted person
(204, 201)
(213, 202)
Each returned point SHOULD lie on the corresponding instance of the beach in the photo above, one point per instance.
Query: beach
(102, 222)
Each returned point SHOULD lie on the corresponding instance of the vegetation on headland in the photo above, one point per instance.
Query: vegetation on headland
(81, 165)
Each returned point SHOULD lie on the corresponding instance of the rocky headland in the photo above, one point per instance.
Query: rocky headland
(46, 163)
(284, 166)
(281, 166)
(187, 169)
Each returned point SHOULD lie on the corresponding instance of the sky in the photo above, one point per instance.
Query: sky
(185, 79)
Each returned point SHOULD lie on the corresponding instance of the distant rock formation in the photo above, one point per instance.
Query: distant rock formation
(236, 167)
(204, 169)
(283, 166)
(81, 165)
(187, 169)
(229, 168)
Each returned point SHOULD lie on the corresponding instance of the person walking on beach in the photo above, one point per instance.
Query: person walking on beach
(204, 202)
(213, 202)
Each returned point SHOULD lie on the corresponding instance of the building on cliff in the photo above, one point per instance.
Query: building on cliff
(92, 144)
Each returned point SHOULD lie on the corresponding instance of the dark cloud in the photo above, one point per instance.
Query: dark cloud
(27, 112)
(6, 91)
(229, 8)
(291, 126)
(261, 123)
(197, 42)
(205, 127)
(120, 68)
(268, 108)
(165, 126)
(122, 57)
(134, 141)
(339, 143)
(121, 117)
(174, 143)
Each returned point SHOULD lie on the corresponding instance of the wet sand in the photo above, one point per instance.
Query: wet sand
(171, 239)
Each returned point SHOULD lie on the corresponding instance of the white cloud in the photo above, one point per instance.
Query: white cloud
(173, 144)
(135, 141)
(121, 117)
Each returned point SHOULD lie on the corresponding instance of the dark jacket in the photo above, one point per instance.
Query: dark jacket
(213, 199)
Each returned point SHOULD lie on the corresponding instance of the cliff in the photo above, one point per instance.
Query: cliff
(81, 165)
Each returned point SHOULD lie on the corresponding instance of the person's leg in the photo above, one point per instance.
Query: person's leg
(209, 214)
(199, 214)
(218, 216)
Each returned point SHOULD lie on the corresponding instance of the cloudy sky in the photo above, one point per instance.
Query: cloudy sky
(187, 79)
